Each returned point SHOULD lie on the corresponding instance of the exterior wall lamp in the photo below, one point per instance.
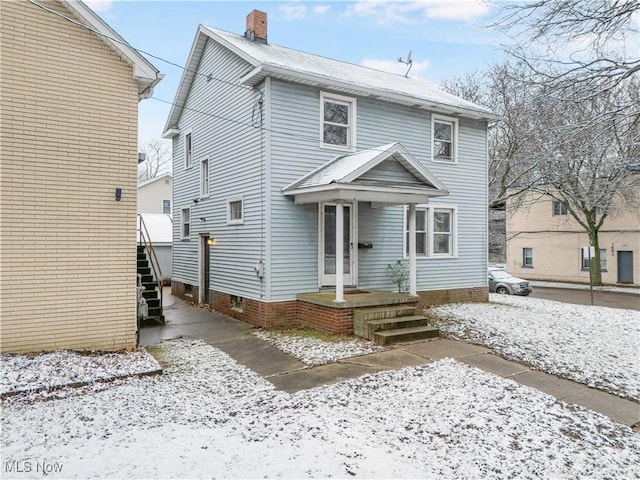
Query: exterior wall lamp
(211, 241)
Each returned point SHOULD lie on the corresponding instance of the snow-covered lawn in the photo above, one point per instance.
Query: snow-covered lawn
(597, 346)
(52, 370)
(209, 417)
(314, 350)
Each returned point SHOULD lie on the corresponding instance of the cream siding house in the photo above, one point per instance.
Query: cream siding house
(545, 243)
(68, 129)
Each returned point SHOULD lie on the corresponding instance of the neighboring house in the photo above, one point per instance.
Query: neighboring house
(155, 199)
(296, 175)
(158, 228)
(69, 96)
(155, 195)
(544, 242)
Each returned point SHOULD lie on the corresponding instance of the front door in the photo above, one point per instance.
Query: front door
(625, 266)
(328, 244)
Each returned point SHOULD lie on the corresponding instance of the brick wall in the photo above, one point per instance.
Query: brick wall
(68, 130)
(456, 295)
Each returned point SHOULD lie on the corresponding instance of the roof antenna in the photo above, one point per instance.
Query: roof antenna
(408, 61)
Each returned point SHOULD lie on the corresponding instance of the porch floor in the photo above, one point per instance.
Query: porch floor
(357, 298)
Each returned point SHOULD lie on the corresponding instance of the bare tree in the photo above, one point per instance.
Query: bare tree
(582, 150)
(583, 46)
(158, 159)
(507, 90)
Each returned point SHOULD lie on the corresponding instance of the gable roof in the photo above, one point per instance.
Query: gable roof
(155, 179)
(270, 60)
(144, 72)
(349, 177)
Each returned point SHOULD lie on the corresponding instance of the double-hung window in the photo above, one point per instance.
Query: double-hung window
(435, 232)
(188, 150)
(422, 219)
(337, 121)
(442, 231)
(585, 261)
(166, 206)
(185, 222)
(204, 177)
(527, 257)
(235, 211)
(559, 208)
(444, 131)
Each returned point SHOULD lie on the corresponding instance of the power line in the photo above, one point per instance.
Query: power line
(140, 51)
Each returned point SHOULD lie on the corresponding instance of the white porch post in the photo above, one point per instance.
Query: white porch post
(339, 253)
(413, 283)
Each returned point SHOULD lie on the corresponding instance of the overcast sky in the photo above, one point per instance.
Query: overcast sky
(448, 38)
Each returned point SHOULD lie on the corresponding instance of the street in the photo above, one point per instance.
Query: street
(582, 297)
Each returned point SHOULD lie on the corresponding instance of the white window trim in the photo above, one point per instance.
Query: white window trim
(204, 194)
(239, 221)
(430, 232)
(188, 132)
(603, 258)
(351, 130)
(563, 211)
(454, 121)
(524, 263)
(182, 223)
(170, 206)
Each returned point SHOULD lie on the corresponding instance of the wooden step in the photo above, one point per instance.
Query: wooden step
(386, 337)
(373, 326)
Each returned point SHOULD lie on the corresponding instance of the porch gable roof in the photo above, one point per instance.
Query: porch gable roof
(353, 177)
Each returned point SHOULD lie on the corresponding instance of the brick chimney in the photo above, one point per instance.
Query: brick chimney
(256, 27)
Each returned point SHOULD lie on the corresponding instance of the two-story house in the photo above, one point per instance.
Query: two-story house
(69, 94)
(544, 242)
(296, 175)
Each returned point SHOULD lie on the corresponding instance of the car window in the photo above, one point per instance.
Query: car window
(499, 274)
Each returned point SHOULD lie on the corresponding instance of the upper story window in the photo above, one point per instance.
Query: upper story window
(204, 177)
(435, 232)
(188, 150)
(166, 206)
(235, 211)
(559, 208)
(337, 121)
(444, 131)
(185, 222)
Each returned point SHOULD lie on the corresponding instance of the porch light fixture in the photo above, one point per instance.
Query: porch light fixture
(211, 241)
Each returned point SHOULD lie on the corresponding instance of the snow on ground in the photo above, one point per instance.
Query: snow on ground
(597, 346)
(209, 417)
(50, 370)
(316, 351)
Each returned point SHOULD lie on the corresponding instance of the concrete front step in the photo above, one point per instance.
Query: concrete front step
(386, 337)
(373, 326)
(383, 312)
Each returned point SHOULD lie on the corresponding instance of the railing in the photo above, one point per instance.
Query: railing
(145, 240)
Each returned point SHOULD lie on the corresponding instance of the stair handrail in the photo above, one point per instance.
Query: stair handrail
(155, 264)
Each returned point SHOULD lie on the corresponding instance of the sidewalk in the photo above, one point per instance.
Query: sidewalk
(289, 374)
(582, 286)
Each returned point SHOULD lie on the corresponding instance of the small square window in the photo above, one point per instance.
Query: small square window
(237, 303)
(186, 223)
(527, 257)
(235, 214)
(585, 260)
(166, 206)
(559, 208)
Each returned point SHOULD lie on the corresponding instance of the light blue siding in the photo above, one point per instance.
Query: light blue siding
(225, 123)
(222, 118)
(296, 151)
